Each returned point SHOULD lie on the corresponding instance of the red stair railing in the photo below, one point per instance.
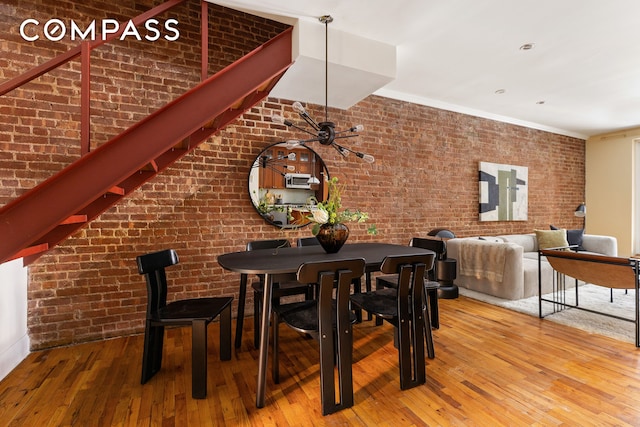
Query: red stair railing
(50, 212)
(84, 51)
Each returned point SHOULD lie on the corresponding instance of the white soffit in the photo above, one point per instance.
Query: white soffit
(354, 73)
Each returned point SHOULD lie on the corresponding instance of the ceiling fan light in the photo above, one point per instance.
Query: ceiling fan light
(368, 158)
(293, 143)
(342, 150)
(277, 118)
(325, 132)
(298, 108)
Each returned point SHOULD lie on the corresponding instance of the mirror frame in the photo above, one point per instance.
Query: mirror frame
(253, 187)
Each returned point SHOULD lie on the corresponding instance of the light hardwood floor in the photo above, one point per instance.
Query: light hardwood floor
(493, 367)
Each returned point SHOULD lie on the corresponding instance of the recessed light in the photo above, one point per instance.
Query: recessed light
(540, 102)
(527, 46)
(500, 91)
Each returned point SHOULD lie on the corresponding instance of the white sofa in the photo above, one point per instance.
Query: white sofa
(507, 266)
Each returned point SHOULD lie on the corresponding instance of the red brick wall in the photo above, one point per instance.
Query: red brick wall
(425, 175)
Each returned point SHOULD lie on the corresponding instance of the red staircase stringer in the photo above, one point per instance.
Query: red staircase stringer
(27, 219)
(103, 203)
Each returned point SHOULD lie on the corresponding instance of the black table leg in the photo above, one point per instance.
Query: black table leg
(264, 340)
(241, 302)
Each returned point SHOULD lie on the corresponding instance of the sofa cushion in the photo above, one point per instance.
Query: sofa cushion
(604, 245)
(574, 237)
(548, 239)
(493, 239)
(527, 241)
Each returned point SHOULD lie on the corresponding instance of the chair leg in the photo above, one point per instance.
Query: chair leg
(242, 296)
(152, 353)
(327, 378)
(199, 359)
(404, 354)
(435, 310)
(345, 368)
(225, 333)
(357, 288)
(275, 372)
(367, 287)
(378, 319)
(411, 352)
(428, 333)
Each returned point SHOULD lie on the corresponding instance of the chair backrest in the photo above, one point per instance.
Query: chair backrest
(153, 266)
(437, 245)
(411, 271)
(268, 244)
(330, 275)
(307, 241)
(311, 272)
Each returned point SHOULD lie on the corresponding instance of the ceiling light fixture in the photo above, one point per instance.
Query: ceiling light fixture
(323, 132)
(527, 46)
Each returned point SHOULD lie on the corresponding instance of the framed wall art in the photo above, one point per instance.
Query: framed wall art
(503, 192)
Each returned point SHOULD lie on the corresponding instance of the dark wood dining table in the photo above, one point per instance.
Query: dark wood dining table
(286, 261)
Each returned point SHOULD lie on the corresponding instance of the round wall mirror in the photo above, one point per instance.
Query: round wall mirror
(285, 183)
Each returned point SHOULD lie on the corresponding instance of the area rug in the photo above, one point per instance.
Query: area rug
(590, 296)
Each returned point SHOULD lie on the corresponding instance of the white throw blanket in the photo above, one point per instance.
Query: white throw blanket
(482, 260)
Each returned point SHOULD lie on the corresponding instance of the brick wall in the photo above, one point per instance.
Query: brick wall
(425, 175)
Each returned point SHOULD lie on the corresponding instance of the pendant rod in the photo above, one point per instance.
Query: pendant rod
(326, 19)
(326, 71)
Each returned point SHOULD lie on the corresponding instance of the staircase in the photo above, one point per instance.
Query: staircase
(47, 214)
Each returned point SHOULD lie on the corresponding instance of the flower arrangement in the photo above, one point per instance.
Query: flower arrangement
(328, 212)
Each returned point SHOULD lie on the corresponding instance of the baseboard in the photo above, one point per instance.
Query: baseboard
(11, 357)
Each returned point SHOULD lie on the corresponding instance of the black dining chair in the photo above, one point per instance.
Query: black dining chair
(431, 285)
(329, 321)
(196, 312)
(357, 281)
(403, 307)
(281, 289)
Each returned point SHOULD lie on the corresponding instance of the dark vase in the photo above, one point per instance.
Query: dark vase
(332, 237)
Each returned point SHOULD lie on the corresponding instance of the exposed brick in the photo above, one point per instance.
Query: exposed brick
(88, 288)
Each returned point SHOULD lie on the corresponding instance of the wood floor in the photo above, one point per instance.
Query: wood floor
(493, 367)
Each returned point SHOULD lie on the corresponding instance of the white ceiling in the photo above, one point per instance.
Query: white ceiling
(455, 55)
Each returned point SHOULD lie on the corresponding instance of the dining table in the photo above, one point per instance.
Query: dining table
(286, 261)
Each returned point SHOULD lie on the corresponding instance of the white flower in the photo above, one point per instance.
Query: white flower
(320, 216)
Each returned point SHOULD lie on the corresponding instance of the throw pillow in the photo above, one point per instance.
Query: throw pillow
(574, 237)
(548, 239)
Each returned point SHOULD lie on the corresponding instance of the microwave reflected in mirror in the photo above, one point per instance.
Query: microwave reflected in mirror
(298, 180)
(285, 184)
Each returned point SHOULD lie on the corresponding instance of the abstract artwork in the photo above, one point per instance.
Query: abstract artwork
(503, 192)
